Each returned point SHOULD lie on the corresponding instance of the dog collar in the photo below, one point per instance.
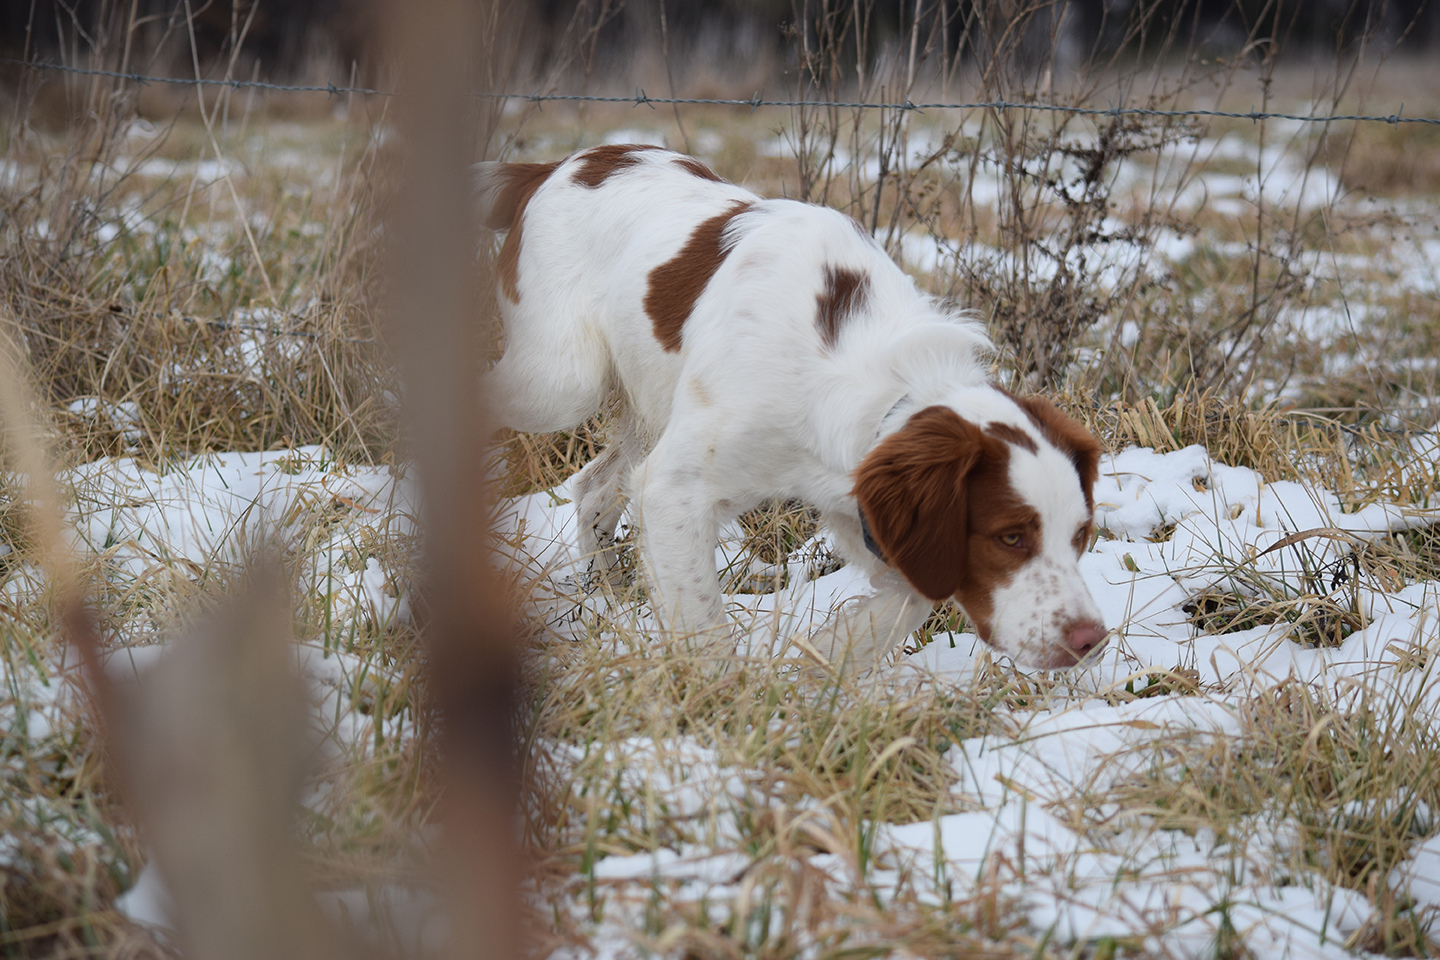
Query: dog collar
(870, 543)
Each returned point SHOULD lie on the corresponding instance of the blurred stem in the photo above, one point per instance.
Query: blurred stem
(469, 633)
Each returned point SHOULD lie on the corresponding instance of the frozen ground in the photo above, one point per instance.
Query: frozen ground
(1031, 816)
(1027, 830)
(1105, 873)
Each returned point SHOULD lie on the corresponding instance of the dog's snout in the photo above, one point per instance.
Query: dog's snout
(1084, 636)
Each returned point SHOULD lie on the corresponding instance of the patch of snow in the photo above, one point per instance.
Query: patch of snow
(148, 902)
(1169, 889)
(1028, 828)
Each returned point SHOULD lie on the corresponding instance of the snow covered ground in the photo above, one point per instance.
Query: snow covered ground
(1100, 873)
(1033, 826)
(1039, 816)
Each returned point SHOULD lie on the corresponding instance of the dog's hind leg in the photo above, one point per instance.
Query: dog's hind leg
(551, 377)
(600, 501)
(678, 528)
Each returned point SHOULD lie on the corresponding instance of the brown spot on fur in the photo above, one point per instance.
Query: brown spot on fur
(914, 489)
(598, 163)
(517, 181)
(677, 283)
(843, 296)
(1069, 437)
(996, 511)
(700, 170)
(517, 184)
(1011, 435)
(937, 496)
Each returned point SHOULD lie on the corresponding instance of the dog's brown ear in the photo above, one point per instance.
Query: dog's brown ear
(913, 492)
(1069, 437)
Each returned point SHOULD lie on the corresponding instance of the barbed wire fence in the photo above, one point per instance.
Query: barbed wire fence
(640, 98)
(755, 102)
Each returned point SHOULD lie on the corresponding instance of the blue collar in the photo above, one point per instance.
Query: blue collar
(870, 543)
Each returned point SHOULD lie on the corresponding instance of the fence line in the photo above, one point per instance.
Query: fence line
(754, 102)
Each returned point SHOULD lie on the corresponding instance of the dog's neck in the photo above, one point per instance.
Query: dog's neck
(980, 404)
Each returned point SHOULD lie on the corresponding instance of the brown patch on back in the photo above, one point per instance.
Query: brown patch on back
(1069, 437)
(1011, 435)
(699, 169)
(518, 183)
(599, 163)
(677, 283)
(843, 296)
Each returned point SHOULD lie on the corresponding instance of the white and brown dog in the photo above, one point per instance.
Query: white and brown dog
(770, 349)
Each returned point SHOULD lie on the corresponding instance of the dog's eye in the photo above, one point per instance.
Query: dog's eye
(1010, 539)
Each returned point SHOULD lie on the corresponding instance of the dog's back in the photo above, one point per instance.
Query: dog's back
(623, 265)
(584, 236)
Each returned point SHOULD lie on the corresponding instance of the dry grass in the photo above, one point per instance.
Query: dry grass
(168, 309)
(1339, 785)
(822, 765)
(173, 292)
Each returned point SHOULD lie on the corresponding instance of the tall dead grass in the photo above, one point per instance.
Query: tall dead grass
(239, 313)
(164, 313)
(1051, 226)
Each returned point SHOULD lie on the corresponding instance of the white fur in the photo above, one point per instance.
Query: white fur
(754, 405)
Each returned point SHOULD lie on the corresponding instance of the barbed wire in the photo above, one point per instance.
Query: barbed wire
(640, 98)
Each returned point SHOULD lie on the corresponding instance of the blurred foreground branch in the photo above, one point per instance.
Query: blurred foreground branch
(434, 289)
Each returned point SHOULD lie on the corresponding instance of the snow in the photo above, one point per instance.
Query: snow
(123, 417)
(221, 507)
(1167, 888)
(1127, 885)
(1420, 875)
(1172, 525)
(1170, 889)
(148, 902)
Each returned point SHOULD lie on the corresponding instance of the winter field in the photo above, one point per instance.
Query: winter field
(1246, 313)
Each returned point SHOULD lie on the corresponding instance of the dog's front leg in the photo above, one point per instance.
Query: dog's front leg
(678, 529)
(862, 634)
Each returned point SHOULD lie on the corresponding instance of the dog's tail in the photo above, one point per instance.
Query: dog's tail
(503, 189)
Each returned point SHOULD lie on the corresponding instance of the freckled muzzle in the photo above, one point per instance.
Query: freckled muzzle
(1046, 618)
(1066, 646)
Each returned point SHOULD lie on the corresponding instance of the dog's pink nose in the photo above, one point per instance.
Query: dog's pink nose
(1083, 636)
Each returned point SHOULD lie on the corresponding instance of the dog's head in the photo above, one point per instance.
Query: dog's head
(996, 515)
